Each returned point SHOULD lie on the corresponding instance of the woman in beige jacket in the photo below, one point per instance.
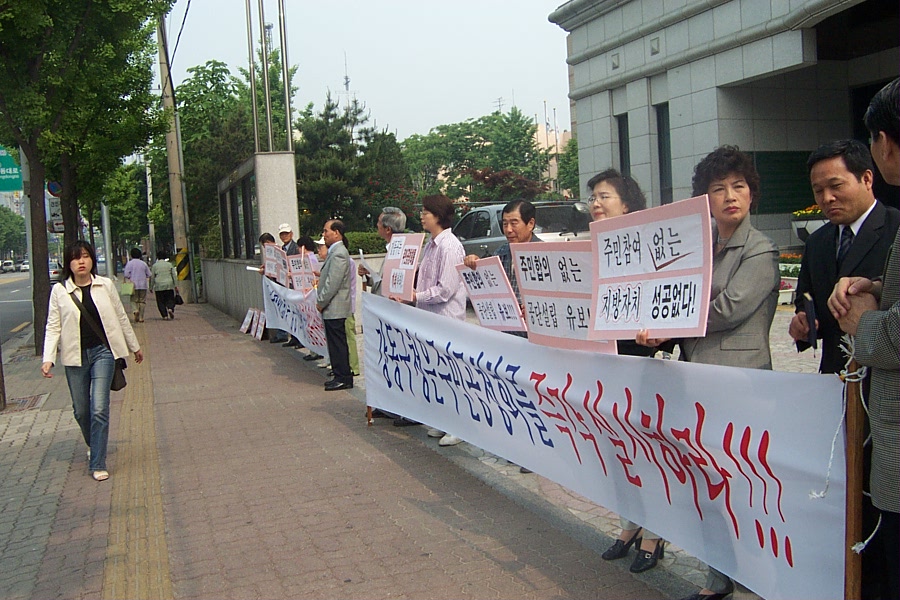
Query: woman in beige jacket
(88, 357)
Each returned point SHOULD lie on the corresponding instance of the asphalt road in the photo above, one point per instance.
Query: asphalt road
(15, 304)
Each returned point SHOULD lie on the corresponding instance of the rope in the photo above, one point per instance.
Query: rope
(858, 547)
(848, 347)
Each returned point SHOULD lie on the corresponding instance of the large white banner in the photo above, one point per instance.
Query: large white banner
(295, 312)
(720, 461)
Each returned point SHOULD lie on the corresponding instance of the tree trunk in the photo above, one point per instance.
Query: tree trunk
(40, 290)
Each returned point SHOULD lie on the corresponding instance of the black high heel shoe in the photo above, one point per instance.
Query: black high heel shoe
(620, 549)
(644, 561)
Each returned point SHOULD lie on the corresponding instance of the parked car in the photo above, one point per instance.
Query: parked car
(24, 266)
(8, 266)
(55, 272)
(481, 232)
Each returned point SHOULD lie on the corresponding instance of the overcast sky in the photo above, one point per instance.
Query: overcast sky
(415, 63)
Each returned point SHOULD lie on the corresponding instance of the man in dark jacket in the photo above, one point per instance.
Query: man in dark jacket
(855, 242)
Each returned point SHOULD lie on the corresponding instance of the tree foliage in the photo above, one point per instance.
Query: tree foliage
(567, 175)
(66, 67)
(447, 159)
(12, 233)
(330, 182)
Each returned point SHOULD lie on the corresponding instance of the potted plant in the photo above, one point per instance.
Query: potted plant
(807, 220)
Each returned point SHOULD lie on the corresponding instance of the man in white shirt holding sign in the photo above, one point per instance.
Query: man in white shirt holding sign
(391, 220)
(518, 227)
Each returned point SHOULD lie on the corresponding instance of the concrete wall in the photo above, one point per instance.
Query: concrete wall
(231, 288)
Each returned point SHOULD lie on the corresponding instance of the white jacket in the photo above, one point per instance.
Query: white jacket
(64, 321)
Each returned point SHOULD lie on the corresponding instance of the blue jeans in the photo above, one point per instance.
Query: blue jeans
(89, 388)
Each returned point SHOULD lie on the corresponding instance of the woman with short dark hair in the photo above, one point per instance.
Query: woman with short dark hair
(743, 291)
(87, 323)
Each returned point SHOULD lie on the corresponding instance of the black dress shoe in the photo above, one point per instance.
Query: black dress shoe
(644, 561)
(332, 386)
(290, 344)
(312, 356)
(377, 413)
(620, 549)
(404, 422)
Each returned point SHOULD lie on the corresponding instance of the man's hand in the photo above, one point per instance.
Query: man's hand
(469, 261)
(859, 304)
(139, 356)
(799, 327)
(362, 271)
(45, 370)
(839, 301)
(643, 338)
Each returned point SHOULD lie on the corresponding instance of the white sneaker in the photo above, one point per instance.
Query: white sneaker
(435, 433)
(449, 440)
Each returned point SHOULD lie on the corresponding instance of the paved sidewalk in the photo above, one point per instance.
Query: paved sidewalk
(234, 476)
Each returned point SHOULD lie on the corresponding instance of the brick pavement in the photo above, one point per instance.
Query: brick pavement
(234, 476)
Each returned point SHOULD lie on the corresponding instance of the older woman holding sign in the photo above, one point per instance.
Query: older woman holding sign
(744, 290)
(613, 195)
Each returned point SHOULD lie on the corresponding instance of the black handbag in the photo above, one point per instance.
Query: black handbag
(178, 299)
(118, 379)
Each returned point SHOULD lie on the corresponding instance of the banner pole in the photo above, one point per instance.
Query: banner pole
(855, 421)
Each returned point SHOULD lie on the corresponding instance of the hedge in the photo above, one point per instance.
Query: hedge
(369, 241)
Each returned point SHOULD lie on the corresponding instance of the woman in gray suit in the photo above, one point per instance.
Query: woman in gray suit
(744, 291)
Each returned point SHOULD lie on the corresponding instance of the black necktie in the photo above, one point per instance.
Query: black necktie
(844, 244)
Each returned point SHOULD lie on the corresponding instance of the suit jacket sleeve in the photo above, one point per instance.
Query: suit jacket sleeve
(749, 286)
(877, 338)
(330, 283)
(804, 286)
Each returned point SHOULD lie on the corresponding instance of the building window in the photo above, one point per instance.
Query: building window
(664, 149)
(624, 144)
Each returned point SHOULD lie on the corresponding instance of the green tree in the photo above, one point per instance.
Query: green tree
(12, 233)
(126, 194)
(57, 58)
(330, 183)
(500, 187)
(217, 135)
(567, 174)
(449, 155)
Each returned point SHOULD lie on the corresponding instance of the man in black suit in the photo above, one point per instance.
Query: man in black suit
(854, 243)
(841, 177)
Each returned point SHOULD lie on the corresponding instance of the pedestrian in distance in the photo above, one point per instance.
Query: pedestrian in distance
(87, 324)
(164, 282)
(138, 273)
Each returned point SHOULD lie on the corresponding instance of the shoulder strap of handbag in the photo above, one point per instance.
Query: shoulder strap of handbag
(89, 319)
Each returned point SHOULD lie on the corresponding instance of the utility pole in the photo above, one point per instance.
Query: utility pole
(173, 145)
(149, 207)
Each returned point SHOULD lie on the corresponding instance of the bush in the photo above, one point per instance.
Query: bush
(790, 258)
(789, 270)
(369, 241)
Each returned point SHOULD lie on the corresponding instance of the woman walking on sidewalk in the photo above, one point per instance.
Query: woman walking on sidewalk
(164, 285)
(87, 323)
(138, 273)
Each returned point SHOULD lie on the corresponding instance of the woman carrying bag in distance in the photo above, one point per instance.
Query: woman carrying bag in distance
(90, 338)
(164, 281)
